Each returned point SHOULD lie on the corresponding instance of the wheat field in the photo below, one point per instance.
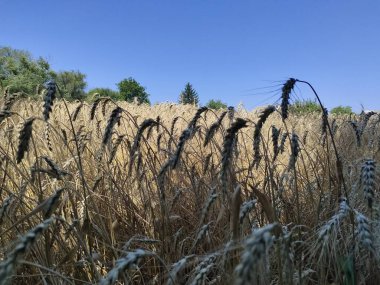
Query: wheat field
(115, 193)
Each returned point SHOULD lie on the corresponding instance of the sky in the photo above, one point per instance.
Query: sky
(238, 51)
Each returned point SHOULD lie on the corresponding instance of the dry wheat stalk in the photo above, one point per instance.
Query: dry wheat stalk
(367, 179)
(363, 232)
(213, 129)
(130, 261)
(5, 206)
(275, 136)
(325, 121)
(281, 147)
(256, 249)
(6, 108)
(186, 134)
(136, 142)
(231, 113)
(357, 132)
(211, 199)
(286, 90)
(256, 136)
(24, 138)
(94, 106)
(196, 117)
(228, 148)
(115, 146)
(9, 265)
(245, 208)
(203, 231)
(49, 99)
(295, 148)
(56, 172)
(176, 268)
(76, 112)
(199, 276)
(325, 232)
(113, 119)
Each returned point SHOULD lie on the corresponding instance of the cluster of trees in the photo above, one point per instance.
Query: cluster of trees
(20, 72)
(190, 96)
(310, 106)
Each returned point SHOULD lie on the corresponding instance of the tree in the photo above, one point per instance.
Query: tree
(105, 92)
(341, 110)
(188, 95)
(21, 73)
(72, 84)
(130, 89)
(216, 104)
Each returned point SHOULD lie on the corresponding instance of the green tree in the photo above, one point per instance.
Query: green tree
(304, 107)
(72, 84)
(188, 95)
(341, 110)
(21, 73)
(216, 104)
(130, 89)
(104, 92)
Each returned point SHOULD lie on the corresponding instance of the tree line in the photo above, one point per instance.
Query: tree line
(20, 72)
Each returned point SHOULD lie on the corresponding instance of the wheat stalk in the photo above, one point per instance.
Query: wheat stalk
(9, 265)
(286, 90)
(24, 138)
(49, 99)
(256, 249)
(368, 182)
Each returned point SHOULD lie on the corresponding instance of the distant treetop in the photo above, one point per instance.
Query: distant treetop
(130, 89)
(341, 110)
(189, 95)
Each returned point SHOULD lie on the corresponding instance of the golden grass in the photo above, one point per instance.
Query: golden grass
(135, 195)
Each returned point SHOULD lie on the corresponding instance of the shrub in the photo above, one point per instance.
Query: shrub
(104, 92)
(216, 104)
(304, 107)
(341, 110)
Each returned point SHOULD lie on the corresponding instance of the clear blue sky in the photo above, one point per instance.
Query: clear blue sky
(226, 49)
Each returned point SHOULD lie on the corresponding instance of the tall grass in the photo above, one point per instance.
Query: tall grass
(170, 194)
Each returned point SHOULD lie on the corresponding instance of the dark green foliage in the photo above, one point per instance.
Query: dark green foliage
(130, 89)
(189, 95)
(72, 84)
(342, 110)
(21, 73)
(305, 107)
(216, 104)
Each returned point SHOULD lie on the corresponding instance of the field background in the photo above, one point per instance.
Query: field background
(117, 193)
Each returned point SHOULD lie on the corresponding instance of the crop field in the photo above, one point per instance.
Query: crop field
(118, 193)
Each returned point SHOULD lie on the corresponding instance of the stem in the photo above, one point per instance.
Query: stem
(338, 161)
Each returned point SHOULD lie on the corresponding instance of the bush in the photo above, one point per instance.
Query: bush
(104, 92)
(216, 104)
(341, 110)
(305, 107)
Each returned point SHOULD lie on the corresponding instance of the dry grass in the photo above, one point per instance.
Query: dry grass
(115, 193)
